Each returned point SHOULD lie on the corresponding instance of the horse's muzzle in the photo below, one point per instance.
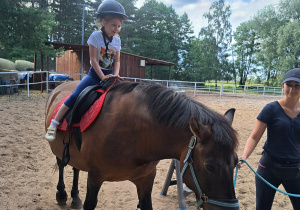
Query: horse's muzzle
(225, 204)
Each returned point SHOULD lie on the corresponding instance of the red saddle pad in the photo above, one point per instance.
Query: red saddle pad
(87, 118)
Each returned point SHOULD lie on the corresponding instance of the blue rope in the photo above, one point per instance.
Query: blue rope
(285, 193)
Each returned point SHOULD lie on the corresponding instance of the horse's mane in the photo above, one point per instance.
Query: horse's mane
(173, 109)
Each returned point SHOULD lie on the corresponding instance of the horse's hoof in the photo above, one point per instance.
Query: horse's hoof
(61, 198)
(76, 203)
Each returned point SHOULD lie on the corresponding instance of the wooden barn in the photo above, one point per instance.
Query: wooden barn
(131, 65)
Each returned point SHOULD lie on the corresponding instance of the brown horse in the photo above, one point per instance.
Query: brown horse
(141, 124)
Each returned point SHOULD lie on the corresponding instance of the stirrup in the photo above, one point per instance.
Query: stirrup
(51, 133)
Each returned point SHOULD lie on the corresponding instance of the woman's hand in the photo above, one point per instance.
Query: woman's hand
(239, 164)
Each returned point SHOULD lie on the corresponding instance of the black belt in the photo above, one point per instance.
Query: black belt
(280, 161)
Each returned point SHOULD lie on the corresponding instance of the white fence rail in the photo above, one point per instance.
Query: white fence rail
(13, 82)
(201, 88)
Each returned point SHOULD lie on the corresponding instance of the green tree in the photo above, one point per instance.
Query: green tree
(289, 9)
(288, 36)
(128, 31)
(246, 48)
(288, 46)
(267, 23)
(160, 34)
(277, 34)
(219, 29)
(68, 20)
(198, 62)
(23, 30)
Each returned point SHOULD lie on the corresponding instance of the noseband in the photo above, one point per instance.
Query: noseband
(188, 162)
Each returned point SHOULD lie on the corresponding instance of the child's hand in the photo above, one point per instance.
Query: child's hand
(107, 76)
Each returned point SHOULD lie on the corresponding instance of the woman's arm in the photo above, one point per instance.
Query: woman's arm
(254, 138)
(117, 64)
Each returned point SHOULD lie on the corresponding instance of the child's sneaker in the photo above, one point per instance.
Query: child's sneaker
(51, 133)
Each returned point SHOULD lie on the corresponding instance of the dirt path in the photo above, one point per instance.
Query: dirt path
(28, 179)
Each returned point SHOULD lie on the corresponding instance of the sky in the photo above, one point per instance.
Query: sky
(242, 10)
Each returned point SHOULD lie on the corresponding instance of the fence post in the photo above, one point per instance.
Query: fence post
(195, 87)
(47, 81)
(27, 84)
(221, 90)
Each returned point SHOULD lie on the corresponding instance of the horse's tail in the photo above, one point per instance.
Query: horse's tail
(55, 167)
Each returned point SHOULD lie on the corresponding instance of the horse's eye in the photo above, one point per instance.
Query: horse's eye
(210, 167)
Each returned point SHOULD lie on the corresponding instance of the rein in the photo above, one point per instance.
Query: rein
(272, 186)
(188, 162)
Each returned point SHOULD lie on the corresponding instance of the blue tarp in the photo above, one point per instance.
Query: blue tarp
(24, 75)
(52, 77)
(59, 77)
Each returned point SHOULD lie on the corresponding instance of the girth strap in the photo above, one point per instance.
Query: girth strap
(66, 155)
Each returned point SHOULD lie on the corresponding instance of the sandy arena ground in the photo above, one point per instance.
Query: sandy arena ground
(28, 179)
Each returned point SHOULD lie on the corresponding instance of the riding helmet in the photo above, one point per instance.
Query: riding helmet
(111, 7)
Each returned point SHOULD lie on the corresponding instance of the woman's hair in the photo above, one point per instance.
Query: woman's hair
(108, 18)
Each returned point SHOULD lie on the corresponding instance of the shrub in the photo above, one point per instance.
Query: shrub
(22, 65)
(7, 64)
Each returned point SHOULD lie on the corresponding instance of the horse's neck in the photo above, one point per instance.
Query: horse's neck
(172, 144)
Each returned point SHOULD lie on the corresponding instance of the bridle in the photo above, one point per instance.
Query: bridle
(188, 162)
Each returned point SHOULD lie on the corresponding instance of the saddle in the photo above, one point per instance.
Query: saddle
(86, 99)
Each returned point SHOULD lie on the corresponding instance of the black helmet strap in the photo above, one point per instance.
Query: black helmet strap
(105, 37)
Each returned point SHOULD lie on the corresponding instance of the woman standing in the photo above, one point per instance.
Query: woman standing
(280, 161)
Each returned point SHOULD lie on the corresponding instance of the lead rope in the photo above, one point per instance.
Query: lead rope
(268, 183)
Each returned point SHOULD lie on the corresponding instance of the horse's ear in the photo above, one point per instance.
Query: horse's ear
(229, 114)
(201, 131)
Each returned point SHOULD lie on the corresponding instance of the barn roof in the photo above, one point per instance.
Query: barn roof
(75, 47)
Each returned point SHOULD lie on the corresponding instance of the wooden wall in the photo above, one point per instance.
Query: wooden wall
(70, 62)
(130, 66)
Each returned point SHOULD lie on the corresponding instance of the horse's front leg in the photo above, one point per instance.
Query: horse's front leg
(61, 194)
(76, 202)
(93, 186)
(144, 187)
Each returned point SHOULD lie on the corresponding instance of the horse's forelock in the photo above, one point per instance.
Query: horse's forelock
(224, 135)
